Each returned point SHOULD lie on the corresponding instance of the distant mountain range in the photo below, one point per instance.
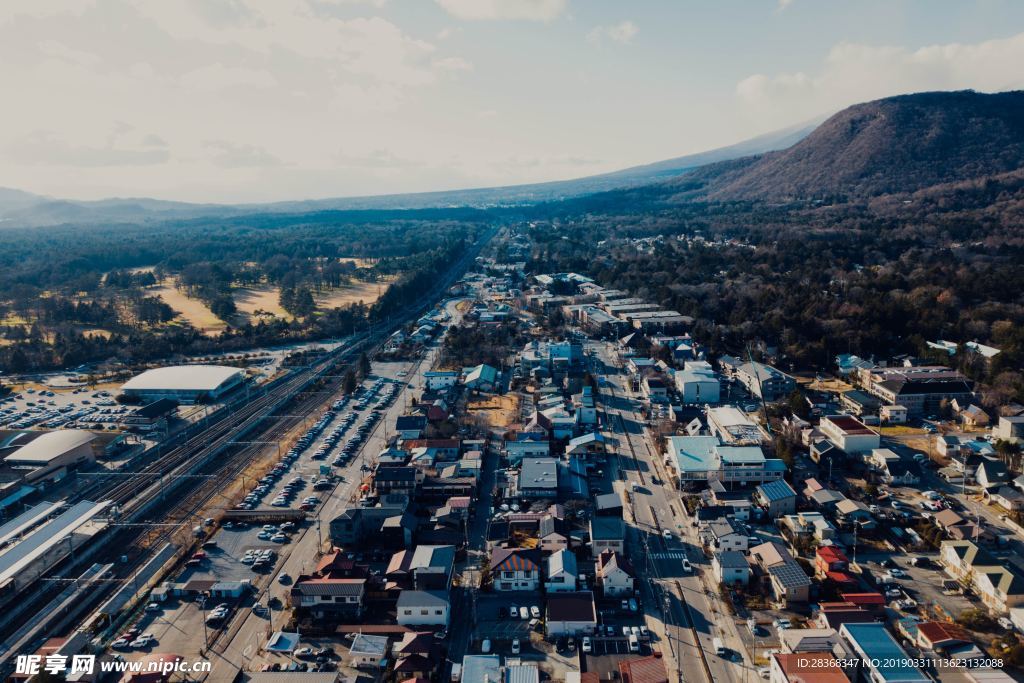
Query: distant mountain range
(935, 144)
(896, 145)
(24, 209)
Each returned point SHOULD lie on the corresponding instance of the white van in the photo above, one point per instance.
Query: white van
(634, 643)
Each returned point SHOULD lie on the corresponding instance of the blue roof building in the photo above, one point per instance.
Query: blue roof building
(884, 661)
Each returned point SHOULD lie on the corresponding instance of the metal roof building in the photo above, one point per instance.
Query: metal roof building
(184, 383)
(882, 656)
(52, 451)
(23, 562)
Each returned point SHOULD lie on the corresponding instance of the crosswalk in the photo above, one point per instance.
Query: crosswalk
(671, 555)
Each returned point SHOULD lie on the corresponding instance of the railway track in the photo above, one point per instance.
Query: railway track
(149, 491)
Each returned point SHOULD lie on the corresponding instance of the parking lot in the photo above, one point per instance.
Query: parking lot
(77, 408)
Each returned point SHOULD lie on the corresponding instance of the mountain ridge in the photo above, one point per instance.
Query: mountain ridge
(24, 209)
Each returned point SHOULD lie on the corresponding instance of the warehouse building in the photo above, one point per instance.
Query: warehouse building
(184, 383)
(52, 453)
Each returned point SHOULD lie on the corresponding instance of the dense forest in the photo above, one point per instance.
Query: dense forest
(55, 282)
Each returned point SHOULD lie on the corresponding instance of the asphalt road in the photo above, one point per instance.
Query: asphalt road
(692, 608)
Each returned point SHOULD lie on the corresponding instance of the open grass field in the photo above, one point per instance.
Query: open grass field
(194, 311)
(264, 299)
(360, 262)
(367, 292)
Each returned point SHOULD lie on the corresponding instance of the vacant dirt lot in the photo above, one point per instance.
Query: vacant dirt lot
(498, 412)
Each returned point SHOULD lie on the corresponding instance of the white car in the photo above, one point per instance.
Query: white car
(667, 534)
(153, 607)
(535, 612)
(587, 646)
(515, 646)
(279, 538)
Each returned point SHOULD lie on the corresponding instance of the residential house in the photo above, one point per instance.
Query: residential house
(654, 388)
(552, 534)
(481, 378)
(991, 472)
(327, 599)
(367, 651)
(416, 655)
(782, 575)
(855, 512)
(1005, 497)
(816, 667)
(585, 409)
(777, 498)
(764, 381)
(410, 426)
(649, 669)
(974, 417)
(607, 533)
(723, 536)
(697, 383)
(589, 444)
(810, 640)
(1009, 428)
(849, 433)
(561, 572)
(571, 614)
(522, 445)
(614, 575)
(423, 608)
(998, 586)
(731, 568)
(831, 563)
(515, 569)
(403, 480)
(425, 567)
(810, 525)
(894, 415)
(440, 379)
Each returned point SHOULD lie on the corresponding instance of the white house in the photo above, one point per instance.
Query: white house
(698, 383)
(440, 379)
(423, 608)
(368, 651)
(849, 433)
(571, 614)
(724, 537)
(515, 569)
(562, 572)
(731, 568)
(614, 575)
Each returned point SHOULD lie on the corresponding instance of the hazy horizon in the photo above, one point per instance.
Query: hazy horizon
(248, 101)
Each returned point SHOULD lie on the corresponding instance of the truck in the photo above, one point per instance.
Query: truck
(719, 647)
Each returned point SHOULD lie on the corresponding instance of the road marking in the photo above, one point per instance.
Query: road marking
(671, 555)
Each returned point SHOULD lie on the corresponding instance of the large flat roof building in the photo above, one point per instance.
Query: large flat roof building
(51, 452)
(184, 383)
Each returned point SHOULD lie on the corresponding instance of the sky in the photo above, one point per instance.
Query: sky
(269, 100)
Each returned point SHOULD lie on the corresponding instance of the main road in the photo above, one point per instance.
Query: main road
(691, 614)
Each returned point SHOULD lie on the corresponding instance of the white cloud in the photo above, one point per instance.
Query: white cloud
(622, 33)
(452, 64)
(218, 76)
(853, 72)
(495, 10)
(46, 148)
(232, 155)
